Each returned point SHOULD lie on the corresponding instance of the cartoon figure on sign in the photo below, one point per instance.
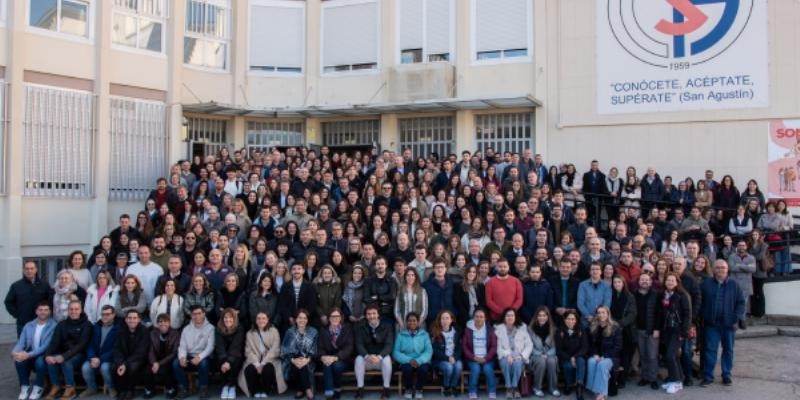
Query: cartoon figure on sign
(794, 151)
(791, 175)
(782, 179)
(662, 32)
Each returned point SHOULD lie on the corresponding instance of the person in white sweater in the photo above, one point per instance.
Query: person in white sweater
(169, 303)
(196, 346)
(103, 292)
(514, 347)
(147, 272)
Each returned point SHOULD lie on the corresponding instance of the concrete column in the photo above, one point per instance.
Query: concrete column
(312, 57)
(465, 131)
(314, 131)
(174, 49)
(390, 135)
(10, 252)
(240, 25)
(238, 131)
(102, 119)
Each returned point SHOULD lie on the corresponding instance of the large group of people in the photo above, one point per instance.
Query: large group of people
(262, 269)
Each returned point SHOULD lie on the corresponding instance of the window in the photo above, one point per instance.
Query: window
(139, 24)
(425, 30)
(502, 29)
(206, 41)
(351, 133)
(277, 39)
(206, 136)
(427, 135)
(504, 132)
(48, 267)
(265, 135)
(59, 142)
(350, 35)
(65, 16)
(138, 138)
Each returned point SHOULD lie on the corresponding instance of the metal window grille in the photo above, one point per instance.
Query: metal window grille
(427, 135)
(211, 134)
(138, 140)
(505, 132)
(3, 136)
(265, 135)
(351, 133)
(47, 266)
(59, 142)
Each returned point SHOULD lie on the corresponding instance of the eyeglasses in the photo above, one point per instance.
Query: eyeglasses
(190, 238)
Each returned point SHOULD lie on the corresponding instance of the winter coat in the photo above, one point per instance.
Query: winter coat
(207, 299)
(461, 302)
(259, 350)
(546, 347)
(678, 316)
(380, 292)
(345, 344)
(154, 354)
(268, 304)
(522, 342)
(24, 296)
(70, 337)
(623, 308)
(648, 312)
(729, 310)
(105, 352)
(381, 343)
(574, 345)
(228, 347)
(439, 345)
(93, 305)
(159, 306)
(535, 294)
(307, 300)
(130, 348)
(416, 347)
(741, 270)
(605, 346)
(295, 345)
(329, 294)
(467, 345)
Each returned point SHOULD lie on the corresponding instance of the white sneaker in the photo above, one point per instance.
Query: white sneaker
(675, 388)
(418, 395)
(36, 393)
(666, 385)
(232, 393)
(23, 392)
(224, 394)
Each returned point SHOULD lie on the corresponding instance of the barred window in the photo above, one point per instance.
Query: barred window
(138, 147)
(59, 142)
(206, 136)
(139, 24)
(504, 132)
(427, 135)
(207, 34)
(265, 135)
(351, 133)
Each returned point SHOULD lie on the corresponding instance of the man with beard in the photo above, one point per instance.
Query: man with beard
(380, 291)
(503, 291)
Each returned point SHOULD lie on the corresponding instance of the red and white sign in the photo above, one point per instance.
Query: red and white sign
(783, 172)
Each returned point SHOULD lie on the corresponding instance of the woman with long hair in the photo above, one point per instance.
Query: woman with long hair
(232, 295)
(169, 303)
(446, 343)
(675, 325)
(200, 293)
(623, 310)
(264, 298)
(605, 345)
(131, 297)
(329, 292)
(241, 263)
(572, 346)
(544, 357)
(103, 292)
(514, 347)
(228, 343)
(353, 295)
(411, 297)
(77, 265)
(262, 373)
(470, 296)
(299, 351)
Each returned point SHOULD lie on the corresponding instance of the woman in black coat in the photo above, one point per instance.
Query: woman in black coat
(446, 343)
(572, 346)
(228, 350)
(623, 310)
(335, 349)
(675, 324)
(469, 296)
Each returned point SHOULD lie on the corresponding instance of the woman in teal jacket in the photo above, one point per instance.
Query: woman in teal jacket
(413, 351)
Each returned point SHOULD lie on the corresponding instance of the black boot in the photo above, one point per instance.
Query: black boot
(579, 392)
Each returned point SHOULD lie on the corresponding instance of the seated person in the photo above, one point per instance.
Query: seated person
(413, 351)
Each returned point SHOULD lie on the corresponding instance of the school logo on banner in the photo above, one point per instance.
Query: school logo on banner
(672, 55)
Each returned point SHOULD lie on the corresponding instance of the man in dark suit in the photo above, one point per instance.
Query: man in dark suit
(565, 290)
(594, 183)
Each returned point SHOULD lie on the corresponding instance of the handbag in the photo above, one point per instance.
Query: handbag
(768, 262)
(525, 384)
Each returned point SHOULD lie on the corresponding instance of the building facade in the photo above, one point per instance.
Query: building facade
(100, 96)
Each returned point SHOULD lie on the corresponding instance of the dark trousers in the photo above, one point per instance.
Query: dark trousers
(164, 376)
(263, 382)
(229, 378)
(422, 371)
(628, 348)
(758, 301)
(127, 382)
(332, 375)
(673, 344)
(302, 378)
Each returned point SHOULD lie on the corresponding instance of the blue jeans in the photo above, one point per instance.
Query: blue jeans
(180, 372)
(715, 335)
(422, 372)
(576, 374)
(65, 369)
(686, 358)
(475, 370)
(451, 373)
(24, 371)
(597, 374)
(511, 372)
(332, 376)
(90, 374)
(783, 261)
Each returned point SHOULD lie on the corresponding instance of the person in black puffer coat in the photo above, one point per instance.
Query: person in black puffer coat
(228, 347)
(66, 351)
(572, 346)
(130, 354)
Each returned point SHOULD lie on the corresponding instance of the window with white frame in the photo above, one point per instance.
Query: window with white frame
(427, 135)
(502, 29)
(207, 38)
(139, 24)
(350, 35)
(425, 30)
(59, 140)
(65, 16)
(277, 36)
(138, 138)
(504, 132)
(266, 135)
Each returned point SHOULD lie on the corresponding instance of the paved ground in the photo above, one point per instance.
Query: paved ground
(766, 368)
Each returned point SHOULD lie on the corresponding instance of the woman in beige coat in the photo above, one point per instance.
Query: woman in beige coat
(262, 371)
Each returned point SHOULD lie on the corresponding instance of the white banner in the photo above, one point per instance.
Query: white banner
(675, 55)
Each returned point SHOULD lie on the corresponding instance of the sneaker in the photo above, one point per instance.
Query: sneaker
(727, 381)
(705, 383)
(675, 388)
(517, 394)
(148, 394)
(492, 396)
(36, 393)
(418, 395)
(654, 385)
(88, 393)
(23, 392)
(537, 393)
(170, 393)
(666, 385)
(232, 393)
(473, 396)
(509, 394)
(555, 393)
(182, 394)
(408, 395)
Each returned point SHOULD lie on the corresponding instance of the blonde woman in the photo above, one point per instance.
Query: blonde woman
(103, 292)
(241, 263)
(605, 345)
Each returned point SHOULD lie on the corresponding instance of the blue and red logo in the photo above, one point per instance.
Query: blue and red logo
(665, 32)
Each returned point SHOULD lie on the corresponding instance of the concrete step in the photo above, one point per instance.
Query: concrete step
(793, 331)
(757, 332)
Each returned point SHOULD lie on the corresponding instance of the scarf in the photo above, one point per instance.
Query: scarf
(542, 331)
(61, 300)
(334, 334)
(349, 293)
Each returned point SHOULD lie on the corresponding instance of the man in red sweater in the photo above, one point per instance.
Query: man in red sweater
(628, 268)
(503, 291)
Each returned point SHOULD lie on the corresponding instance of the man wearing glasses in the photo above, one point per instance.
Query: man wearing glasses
(100, 353)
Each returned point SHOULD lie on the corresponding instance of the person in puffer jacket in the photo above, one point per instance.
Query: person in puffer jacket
(413, 351)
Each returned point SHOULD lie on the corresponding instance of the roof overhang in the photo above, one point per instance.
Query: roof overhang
(356, 110)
